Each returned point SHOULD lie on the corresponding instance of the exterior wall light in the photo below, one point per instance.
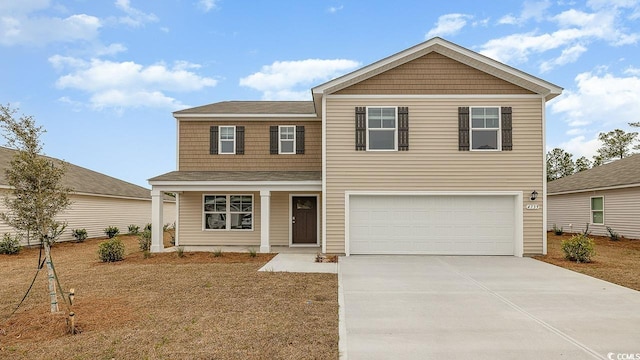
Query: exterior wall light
(534, 195)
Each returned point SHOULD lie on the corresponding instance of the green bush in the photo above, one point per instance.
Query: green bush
(144, 240)
(614, 236)
(111, 250)
(10, 244)
(79, 234)
(134, 229)
(112, 231)
(148, 226)
(579, 248)
(557, 231)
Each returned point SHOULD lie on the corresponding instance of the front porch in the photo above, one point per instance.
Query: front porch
(238, 211)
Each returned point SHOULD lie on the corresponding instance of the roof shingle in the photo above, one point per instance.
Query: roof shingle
(617, 173)
(82, 180)
(252, 107)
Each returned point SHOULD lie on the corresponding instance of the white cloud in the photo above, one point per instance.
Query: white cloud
(568, 55)
(530, 10)
(22, 30)
(134, 17)
(207, 5)
(581, 146)
(110, 49)
(293, 79)
(632, 71)
(335, 9)
(128, 84)
(449, 24)
(601, 100)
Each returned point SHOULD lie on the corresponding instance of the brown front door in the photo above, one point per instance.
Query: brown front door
(304, 220)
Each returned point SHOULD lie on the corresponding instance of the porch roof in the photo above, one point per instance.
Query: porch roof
(237, 176)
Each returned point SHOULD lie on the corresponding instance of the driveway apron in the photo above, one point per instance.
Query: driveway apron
(469, 307)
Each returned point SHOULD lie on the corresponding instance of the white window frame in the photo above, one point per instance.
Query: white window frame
(280, 139)
(220, 140)
(593, 211)
(498, 129)
(227, 212)
(395, 129)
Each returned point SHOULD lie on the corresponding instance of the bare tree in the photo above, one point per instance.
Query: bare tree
(37, 193)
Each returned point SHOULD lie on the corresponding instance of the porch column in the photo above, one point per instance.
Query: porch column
(156, 221)
(265, 218)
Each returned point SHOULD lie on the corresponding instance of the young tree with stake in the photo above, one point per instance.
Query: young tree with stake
(37, 192)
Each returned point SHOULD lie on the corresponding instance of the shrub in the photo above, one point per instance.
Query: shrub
(557, 231)
(180, 251)
(79, 234)
(134, 229)
(217, 253)
(112, 231)
(144, 240)
(148, 226)
(9, 244)
(579, 248)
(252, 252)
(614, 236)
(111, 250)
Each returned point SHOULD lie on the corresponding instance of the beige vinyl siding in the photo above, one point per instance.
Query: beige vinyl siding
(433, 73)
(194, 147)
(95, 213)
(191, 232)
(621, 212)
(433, 162)
(191, 229)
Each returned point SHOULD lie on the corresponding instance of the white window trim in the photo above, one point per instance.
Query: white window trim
(499, 129)
(592, 211)
(220, 140)
(395, 130)
(228, 212)
(280, 139)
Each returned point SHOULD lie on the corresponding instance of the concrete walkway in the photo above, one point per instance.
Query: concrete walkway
(439, 307)
(304, 263)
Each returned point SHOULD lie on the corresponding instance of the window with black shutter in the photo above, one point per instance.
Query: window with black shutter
(213, 140)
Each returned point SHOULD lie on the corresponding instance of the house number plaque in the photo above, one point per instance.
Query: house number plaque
(533, 207)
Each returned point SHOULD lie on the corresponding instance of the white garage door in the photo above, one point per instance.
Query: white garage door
(428, 224)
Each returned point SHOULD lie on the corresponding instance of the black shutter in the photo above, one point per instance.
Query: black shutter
(403, 128)
(213, 140)
(463, 129)
(239, 140)
(273, 139)
(507, 138)
(299, 139)
(361, 128)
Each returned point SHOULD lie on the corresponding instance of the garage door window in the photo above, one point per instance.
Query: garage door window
(597, 210)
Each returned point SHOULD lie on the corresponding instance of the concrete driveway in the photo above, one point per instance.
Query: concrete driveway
(450, 307)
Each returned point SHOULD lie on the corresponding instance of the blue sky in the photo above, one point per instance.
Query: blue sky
(104, 76)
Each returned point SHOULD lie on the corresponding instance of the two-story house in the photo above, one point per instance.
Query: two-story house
(434, 150)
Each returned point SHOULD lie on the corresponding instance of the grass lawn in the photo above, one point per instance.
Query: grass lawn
(166, 307)
(615, 261)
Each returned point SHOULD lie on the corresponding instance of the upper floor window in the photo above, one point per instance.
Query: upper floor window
(485, 128)
(381, 128)
(597, 210)
(287, 139)
(227, 140)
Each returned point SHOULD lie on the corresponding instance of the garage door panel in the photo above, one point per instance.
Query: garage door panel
(459, 225)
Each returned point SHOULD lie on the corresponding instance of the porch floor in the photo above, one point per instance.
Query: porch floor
(274, 249)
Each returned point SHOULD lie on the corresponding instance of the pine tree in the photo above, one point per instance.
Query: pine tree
(559, 164)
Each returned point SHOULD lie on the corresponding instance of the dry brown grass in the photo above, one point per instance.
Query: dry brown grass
(195, 307)
(615, 261)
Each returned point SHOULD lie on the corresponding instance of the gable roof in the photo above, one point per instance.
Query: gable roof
(82, 180)
(249, 108)
(620, 173)
(453, 51)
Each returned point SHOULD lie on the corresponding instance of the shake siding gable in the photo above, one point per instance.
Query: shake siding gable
(434, 162)
(194, 144)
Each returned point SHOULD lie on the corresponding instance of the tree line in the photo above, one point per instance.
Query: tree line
(616, 144)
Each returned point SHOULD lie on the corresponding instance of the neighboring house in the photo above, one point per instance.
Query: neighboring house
(606, 195)
(98, 201)
(434, 150)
